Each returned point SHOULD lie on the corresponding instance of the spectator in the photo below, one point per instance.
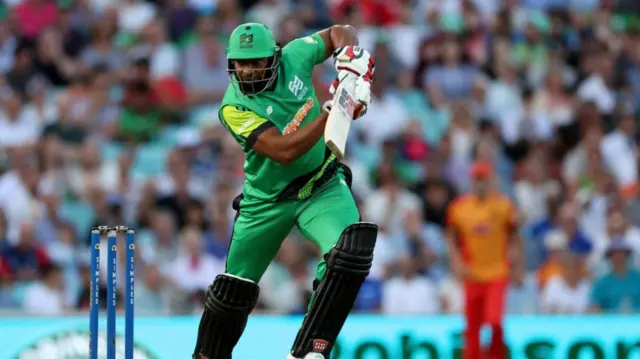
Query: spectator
(438, 116)
(206, 76)
(7, 299)
(140, 119)
(577, 161)
(89, 172)
(452, 76)
(619, 228)
(101, 52)
(218, 237)
(41, 105)
(556, 245)
(523, 297)
(427, 246)
(51, 61)
(534, 190)
(3, 232)
(179, 196)
(27, 258)
(33, 16)
(452, 295)
(598, 87)
(504, 102)
(269, 12)
(159, 244)
(567, 293)
(23, 69)
(390, 203)
(17, 127)
(46, 296)
(436, 195)
(150, 295)
(388, 116)
(192, 270)
(8, 44)
(282, 292)
(619, 290)
(134, 15)
(566, 221)
(552, 102)
(619, 153)
(409, 293)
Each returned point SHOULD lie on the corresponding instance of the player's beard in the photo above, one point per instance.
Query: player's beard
(260, 79)
(256, 83)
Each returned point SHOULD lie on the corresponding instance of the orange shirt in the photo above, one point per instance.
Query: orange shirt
(552, 269)
(547, 271)
(483, 229)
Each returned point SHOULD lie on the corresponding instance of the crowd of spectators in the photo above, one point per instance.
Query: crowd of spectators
(108, 116)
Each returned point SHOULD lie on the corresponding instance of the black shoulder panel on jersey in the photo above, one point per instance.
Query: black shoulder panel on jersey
(348, 264)
(251, 140)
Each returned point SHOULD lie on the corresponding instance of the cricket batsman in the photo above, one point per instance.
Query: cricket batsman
(292, 179)
(482, 235)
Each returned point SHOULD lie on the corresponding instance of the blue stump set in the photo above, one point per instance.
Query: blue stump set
(112, 265)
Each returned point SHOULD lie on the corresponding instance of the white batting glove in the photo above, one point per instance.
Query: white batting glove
(352, 61)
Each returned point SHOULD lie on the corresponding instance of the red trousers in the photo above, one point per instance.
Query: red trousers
(484, 304)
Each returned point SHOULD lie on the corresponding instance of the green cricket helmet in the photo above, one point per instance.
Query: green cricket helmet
(253, 41)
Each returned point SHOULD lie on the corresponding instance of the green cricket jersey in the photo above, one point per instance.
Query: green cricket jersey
(290, 104)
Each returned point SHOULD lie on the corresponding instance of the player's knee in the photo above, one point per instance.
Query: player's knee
(229, 293)
(353, 254)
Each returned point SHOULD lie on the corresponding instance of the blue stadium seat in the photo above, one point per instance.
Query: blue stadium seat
(110, 151)
(150, 160)
(169, 135)
(18, 291)
(80, 214)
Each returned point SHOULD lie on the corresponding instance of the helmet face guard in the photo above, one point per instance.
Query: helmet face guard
(253, 41)
(261, 80)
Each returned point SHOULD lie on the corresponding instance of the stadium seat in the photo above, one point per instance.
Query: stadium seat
(80, 214)
(150, 160)
(169, 135)
(110, 151)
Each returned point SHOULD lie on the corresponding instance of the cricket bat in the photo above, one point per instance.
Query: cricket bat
(339, 121)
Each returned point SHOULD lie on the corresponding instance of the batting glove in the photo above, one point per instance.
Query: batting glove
(352, 61)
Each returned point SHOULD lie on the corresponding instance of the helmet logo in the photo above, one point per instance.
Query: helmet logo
(246, 41)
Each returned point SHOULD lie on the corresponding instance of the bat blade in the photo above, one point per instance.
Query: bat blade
(340, 118)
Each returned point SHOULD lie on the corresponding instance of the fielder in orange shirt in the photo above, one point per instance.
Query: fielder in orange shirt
(482, 236)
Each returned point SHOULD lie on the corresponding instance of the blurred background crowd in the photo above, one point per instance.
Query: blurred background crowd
(108, 115)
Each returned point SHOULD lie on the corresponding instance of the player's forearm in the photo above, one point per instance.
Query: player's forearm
(343, 35)
(288, 148)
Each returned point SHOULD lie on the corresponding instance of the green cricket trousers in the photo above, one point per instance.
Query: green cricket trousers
(261, 227)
